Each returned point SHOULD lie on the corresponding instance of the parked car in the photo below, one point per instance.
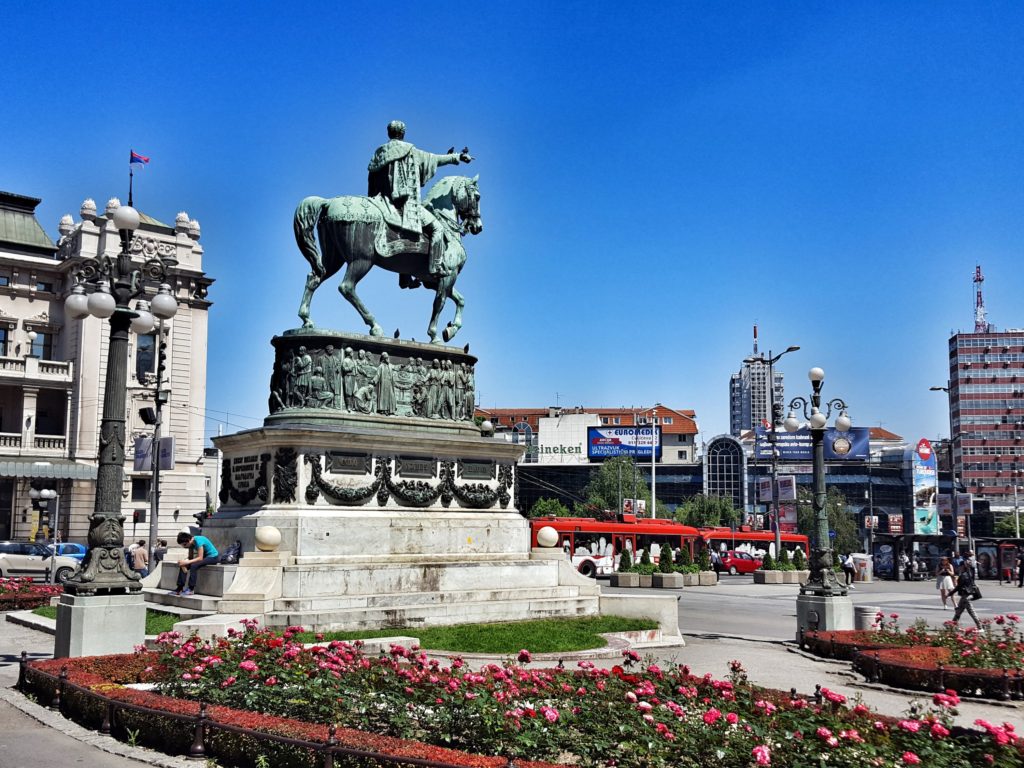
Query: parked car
(70, 549)
(26, 558)
(740, 562)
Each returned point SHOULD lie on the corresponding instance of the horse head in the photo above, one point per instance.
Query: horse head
(467, 203)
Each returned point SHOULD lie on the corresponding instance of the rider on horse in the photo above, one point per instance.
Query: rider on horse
(396, 173)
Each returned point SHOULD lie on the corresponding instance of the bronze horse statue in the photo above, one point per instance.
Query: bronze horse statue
(352, 232)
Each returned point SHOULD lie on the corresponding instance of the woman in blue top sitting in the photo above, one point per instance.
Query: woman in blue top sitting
(201, 552)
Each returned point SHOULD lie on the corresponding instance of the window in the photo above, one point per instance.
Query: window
(140, 488)
(145, 356)
(604, 419)
(42, 347)
(4, 342)
(5, 281)
(44, 286)
(616, 420)
(681, 455)
(666, 419)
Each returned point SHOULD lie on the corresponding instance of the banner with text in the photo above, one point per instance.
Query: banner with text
(796, 446)
(610, 442)
(925, 480)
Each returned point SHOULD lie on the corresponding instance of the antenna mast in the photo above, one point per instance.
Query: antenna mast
(980, 323)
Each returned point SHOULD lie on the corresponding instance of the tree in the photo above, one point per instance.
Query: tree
(1006, 527)
(839, 520)
(625, 561)
(603, 490)
(665, 558)
(548, 507)
(707, 512)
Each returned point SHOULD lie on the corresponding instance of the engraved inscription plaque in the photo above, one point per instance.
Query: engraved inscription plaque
(412, 467)
(476, 470)
(348, 463)
(243, 471)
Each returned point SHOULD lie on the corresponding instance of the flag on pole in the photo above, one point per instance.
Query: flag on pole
(137, 158)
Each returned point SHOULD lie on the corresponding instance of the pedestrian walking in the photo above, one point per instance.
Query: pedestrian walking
(140, 559)
(967, 589)
(201, 553)
(848, 570)
(972, 563)
(905, 566)
(159, 552)
(944, 582)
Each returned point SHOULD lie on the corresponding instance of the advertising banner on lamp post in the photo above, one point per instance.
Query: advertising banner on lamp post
(764, 489)
(925, 487)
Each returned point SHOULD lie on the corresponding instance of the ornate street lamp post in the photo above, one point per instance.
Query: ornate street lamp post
(823, 580)
(115, 282)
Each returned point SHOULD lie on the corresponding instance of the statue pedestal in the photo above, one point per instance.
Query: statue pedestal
(823, 613)
(402, 517)
(99, 625)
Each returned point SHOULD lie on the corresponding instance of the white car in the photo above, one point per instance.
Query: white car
(26, 558)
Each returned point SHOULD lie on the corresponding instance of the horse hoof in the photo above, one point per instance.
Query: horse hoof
(376, 330)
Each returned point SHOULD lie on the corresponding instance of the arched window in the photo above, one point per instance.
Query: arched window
(724, 470)
(522, 433)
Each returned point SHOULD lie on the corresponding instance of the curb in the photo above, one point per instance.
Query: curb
(32, 621)
(51, 719)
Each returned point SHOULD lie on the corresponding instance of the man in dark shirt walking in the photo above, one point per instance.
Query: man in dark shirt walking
(968, 592)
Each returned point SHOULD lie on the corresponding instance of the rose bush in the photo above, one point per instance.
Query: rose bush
(24, 593)
(634, 715)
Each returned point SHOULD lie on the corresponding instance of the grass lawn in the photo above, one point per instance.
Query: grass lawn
(156, 621)
(545, 636)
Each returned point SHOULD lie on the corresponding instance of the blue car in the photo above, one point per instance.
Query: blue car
(75, 551)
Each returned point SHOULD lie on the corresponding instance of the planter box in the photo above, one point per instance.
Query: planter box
(645, 580)
(802, 576)
(791, 577)
(708, 579)
(769, 577)
(668, 580)
(691, 579)
(625, 580)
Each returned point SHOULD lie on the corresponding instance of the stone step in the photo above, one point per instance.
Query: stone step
(341, 602)
(195, 604)
(436, 615)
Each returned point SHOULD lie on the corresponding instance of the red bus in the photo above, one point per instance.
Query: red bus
(755, 542)
(594, 545)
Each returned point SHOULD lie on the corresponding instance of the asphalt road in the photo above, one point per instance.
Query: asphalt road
(737, 606)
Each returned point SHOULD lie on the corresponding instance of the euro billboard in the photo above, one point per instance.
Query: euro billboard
(611, 442)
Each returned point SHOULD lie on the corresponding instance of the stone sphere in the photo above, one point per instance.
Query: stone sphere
(268, 538)
(547, 537)
(486, 427)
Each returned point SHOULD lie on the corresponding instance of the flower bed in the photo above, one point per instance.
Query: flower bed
(18, 594)
(983, 662)
(402, 703)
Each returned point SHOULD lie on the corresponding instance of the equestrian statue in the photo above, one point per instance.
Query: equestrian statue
(392, 229)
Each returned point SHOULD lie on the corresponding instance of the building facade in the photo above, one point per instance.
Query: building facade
(986, 398)
(52, 373)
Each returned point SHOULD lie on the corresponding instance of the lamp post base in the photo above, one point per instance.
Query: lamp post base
(823, 613)
(100, 625)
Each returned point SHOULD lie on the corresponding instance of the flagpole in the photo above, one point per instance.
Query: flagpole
(131, 178)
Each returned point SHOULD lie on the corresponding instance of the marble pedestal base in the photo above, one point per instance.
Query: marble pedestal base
(825, 614)
(99, 625)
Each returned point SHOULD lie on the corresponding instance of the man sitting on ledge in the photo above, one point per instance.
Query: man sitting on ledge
(201, 552)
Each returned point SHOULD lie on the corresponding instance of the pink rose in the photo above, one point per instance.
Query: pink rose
(910, 758)
(762, 755)
(712, 716)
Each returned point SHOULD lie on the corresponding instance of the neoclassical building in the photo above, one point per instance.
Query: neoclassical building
(52, 372)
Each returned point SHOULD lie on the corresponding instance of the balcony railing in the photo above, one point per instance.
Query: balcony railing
(57, 371)
(51, 442)
(10, 440)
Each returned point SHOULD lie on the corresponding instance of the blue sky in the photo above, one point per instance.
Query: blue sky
(654, 179)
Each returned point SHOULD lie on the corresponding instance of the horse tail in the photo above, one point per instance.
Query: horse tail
(307, 216)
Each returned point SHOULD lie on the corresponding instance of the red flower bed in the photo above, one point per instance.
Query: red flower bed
(839, 644)
(17, 594)
(106, 675)
(927, 668)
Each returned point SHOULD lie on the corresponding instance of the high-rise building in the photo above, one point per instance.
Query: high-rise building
(750, 402)
(986, 398)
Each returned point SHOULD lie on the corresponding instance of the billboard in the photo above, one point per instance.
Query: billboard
(610, 442)
(787, 488)
(796, 446)
(764, 489)
(144, 454)
(925, 487)
(895, 524)
(964, 504)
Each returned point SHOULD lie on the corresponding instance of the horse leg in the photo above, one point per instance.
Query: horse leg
(356, 271)
(460, 303)
(312, 283)
(440, 297)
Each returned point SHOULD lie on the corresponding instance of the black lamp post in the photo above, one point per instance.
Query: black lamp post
(823, 581)
(115, 281)
(952, 470)
(776, 413)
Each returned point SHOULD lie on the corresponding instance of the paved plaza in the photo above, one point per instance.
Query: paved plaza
(735, 620)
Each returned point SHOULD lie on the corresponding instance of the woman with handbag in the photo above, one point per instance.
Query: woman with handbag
(944, 582)
(968, 590)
